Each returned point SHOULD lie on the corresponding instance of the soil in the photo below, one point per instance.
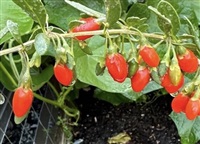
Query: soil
(144, 123)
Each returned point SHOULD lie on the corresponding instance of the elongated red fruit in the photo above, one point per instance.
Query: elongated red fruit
(63, 74)
(150, 56)
(89, 25)
(192, 109)
(140, 79)
(117, 67)
(22, 101)
(179, 103)
(188, 62)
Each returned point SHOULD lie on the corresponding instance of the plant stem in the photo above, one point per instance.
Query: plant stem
(52, 102)
(71, 35)
(53, 88)
(16, 48)
(8, 74)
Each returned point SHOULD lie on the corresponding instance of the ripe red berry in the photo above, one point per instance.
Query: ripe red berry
(117, 67)
(167, 84)
(22, 101)
(89, 25)
(150, 56)
(188, 62)
(63, 74)
(179, 103)
(192, 109)
(140, 79)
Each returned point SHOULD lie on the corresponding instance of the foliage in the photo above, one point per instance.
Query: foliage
(36, 35)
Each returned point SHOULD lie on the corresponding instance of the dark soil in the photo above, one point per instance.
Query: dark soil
(144, 123)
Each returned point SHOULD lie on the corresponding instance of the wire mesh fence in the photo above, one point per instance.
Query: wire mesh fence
(38, 128)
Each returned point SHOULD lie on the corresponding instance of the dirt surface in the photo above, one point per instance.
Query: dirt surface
(144, 123)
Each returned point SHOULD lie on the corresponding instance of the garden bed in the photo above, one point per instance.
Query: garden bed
(144, 123)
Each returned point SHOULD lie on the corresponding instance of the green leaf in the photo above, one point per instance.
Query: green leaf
(85, 9)
(40, 78)
(113, 11)
(60, 14)
(43, 45)
(112, 98)
(188, 130)
(138, 10)
(3, 32)
(13, 29)
(10, 11)
(35, 9)
(166, 9)
(138, 23)
(7, 77)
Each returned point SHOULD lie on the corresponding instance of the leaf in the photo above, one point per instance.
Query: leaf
(7, 77)
(3, 32)
(85, 9)
(163, 22)
(40, 78)
(43, 45)
(112, 98)
(113, 11)
(188, 130)
(138, 23)
(35, 9)
(10, 11)
(60, 14)
(138, 10)
(13, 29)
(166, 9)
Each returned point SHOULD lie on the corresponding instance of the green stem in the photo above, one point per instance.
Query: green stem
(8, 74)
(53, 88)
(52, 102)
(67, 91)
(13, 66)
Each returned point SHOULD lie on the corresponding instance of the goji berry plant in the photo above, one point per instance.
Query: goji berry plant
(118, 46)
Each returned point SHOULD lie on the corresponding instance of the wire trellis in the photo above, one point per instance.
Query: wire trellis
(38, 128)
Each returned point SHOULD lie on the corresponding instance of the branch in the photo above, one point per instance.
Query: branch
(71, 35)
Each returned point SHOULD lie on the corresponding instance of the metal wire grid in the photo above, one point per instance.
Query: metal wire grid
(37, 128)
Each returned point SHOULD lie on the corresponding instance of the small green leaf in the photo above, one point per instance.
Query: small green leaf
(137, 22)
(35, 9)
(40, 78)
(188, 130)
(43, 45)
(113, 11)
(13, 29)
(35, 60)
(18, 120)
(99, 70)
(166, 9)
